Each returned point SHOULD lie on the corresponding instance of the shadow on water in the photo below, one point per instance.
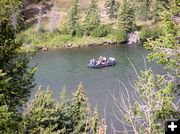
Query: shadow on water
(69, 67)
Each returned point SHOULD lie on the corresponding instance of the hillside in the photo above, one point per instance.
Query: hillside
(62, 6)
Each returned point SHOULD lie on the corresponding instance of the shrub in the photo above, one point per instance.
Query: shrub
(79, 31)
(100, 31)
(156, 31)
(152, 32)
(120, 35)
(63, 28)
(145, 33)
(109, 28)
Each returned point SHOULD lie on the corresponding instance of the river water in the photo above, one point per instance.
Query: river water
(68, 67)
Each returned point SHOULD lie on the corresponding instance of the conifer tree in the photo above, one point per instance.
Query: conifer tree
(74, 116)
(94, 122)
(79, 110)
(11, 62)
(73, 24)
(112, 7)
(44, 115)
(150, 9)
(40, 114)
(63, 114)
(63, 98)
(8, 121)
(156, 7)
(126, 18)
(92, 19)
(155, 10)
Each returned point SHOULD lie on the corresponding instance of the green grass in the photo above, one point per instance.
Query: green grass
(35, 40)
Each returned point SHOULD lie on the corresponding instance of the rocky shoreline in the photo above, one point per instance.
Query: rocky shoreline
(70, 45)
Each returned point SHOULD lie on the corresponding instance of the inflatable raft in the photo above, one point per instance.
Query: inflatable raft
(102, 62)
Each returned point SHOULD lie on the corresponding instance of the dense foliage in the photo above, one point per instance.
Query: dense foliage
(44, 115)
(14, 65)
(16, 78)
(166, 47)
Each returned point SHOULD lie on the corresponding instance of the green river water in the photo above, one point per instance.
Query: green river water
(68, 67)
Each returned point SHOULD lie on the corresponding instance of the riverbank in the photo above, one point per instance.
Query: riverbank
(100, 42)
(34, 41)
(44, 41)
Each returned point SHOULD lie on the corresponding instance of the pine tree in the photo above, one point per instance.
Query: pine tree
(94, 122)
(63, 120)
(40, 114)
(156, 7)
(126, 18)
(112, 7)
(12, 63)
(8, 121)
(73, 24)
(150, 9)
(155, 10)
(79, 110)
(74, 116)
(92, 19)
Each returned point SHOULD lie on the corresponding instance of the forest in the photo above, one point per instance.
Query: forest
(60, 24)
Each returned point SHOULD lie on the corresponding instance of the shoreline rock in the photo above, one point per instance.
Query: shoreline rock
(44, 49)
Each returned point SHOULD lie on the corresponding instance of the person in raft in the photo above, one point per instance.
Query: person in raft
(93, 62)
(101, 60)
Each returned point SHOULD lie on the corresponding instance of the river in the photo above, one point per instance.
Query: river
(69, 66)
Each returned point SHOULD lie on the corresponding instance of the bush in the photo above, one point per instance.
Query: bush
(156, 31)
(152, 32)
(59, 39)
(109, 28)
(63, 28)
(145, 33)
(120, 35)
(79, 31)
(100, 31)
